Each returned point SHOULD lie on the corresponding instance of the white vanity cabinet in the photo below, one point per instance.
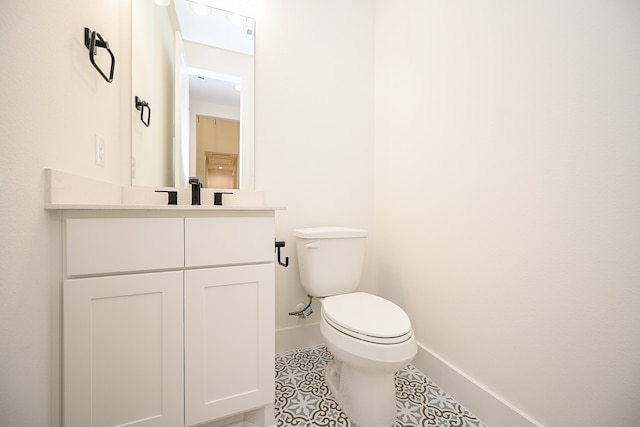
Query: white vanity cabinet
(167, 317)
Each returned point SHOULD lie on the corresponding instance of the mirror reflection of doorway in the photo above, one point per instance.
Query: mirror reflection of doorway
(221, 170)
(217, 149)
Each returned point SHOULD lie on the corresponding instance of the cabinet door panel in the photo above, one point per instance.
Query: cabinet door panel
(229, 341)
(123, 350)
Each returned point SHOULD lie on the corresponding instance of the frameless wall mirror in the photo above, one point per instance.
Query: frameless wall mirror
(193, 65)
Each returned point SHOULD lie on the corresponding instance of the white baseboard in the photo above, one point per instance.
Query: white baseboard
(493, 410)
(296, 337)
(260, 417)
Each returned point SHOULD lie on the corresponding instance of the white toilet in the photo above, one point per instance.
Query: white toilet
(370, 337)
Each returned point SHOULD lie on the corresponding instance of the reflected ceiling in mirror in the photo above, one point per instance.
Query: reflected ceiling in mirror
(217, 23)
(203, 88)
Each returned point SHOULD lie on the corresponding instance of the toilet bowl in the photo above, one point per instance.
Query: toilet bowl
(367, 352)
(369, 337)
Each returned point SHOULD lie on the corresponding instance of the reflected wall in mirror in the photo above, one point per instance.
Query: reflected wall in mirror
(208, 55)
(152, 71)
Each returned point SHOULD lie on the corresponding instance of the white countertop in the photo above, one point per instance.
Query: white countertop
(71, 192)
(59, 206)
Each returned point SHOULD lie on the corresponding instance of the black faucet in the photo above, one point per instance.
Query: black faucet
(196, 185)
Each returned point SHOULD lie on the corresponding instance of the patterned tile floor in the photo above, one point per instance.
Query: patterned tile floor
(303, 399)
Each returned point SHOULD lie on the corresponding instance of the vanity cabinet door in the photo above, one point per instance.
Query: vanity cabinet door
(229, 340)
(123, 350)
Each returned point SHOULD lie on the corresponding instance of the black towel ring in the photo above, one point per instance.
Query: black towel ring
(93, 40)
(141, 105)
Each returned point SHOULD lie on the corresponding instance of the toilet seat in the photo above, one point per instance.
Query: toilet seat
(367, 317)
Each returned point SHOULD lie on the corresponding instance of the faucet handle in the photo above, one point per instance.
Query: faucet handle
(217, 198)
(173, 196)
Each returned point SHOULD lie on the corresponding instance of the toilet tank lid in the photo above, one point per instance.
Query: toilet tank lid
(329, 232)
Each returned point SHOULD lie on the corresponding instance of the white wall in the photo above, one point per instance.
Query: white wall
(53, 102)
(314, 123)
(507, 200)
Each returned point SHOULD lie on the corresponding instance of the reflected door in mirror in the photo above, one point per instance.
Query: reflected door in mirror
(218, 147)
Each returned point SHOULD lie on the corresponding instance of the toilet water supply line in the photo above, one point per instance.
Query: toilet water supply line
(304, 312)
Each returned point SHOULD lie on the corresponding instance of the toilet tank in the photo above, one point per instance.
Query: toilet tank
(330, 259)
